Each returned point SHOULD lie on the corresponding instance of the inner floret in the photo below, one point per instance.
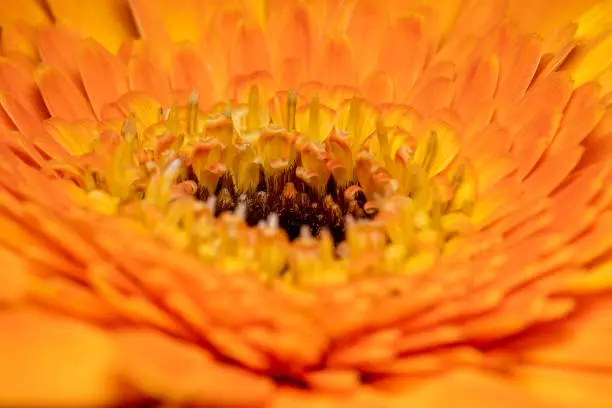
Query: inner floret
(285, 174)
(296, 203)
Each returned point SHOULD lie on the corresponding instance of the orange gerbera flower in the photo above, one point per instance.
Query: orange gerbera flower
(286, 203)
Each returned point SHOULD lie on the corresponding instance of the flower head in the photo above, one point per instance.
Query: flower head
(333, 203)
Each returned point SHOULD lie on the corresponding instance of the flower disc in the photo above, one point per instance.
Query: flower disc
(284, 203)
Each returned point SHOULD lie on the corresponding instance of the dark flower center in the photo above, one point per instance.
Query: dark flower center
(296, 203)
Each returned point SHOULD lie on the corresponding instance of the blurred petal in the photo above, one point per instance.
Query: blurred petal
(460, 387)
(35, 347)
(181, 373)
(19, 38)
(107, 21)
(288, 203)
(31, 11)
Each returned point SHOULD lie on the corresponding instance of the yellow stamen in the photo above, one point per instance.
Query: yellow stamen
(291, 107)
(192, 114)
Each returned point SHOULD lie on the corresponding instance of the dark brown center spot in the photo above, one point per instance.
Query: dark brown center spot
(296, 203)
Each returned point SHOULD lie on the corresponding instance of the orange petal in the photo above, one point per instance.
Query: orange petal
(566, 388)
(22, 147)
(249, 52)
(556, 60)
(107, 21)
(583, 189)
(49, 360)
(491, 169)
(292, 73)
(62, 97)
(32, 11)
(287, 397)
(58, 47)
(578, 343)
(599, 142)
(50, 148)
(533, 140)
(163, 20)
(6, 123)
(189, 72)
(71, 299)
(76, 138)
(292, 30)
(336, 64)
(378, 88)
(604, 126)
(595, 242)
(552, 171)
(476, 85)
(146, 76)
(580, 117)
(456, 50)
(552, 92)
(519, 71)
(104, 76)
(112, 113)
(15, 278)
(335, 96)
(19, 38)
(334, 380)
(149, 21)
(459, 388)
(438, 93)
(22, 117)
(404, 67)
(478, 18)
(177, 372)
(491, 139)
(20, 84)
(495, 204)
(366, 28)
(444, 69)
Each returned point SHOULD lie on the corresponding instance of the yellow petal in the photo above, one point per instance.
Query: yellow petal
(31, 11)
(595, 21)
(107, 21)
(77, 138)
(164, 19)
(437, 149)
(594, 63)
(543, 16)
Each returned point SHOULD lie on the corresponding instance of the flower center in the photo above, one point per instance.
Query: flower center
(302, 176)
(296, 203)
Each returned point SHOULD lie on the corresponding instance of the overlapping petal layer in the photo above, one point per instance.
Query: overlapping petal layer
(481, 278)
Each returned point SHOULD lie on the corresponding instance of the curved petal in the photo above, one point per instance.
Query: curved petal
(35, 347)
(31, 11)
(107, 21)
(104, 76)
